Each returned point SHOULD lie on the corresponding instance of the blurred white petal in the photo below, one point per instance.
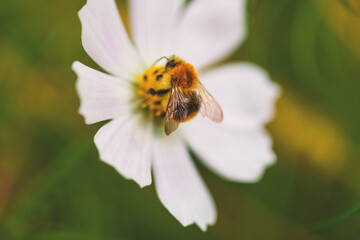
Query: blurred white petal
(179, 185)
(153, 25)
(105, 40)
(102, 96)
(244, 92)
(125, 144)
(235, 153)
(210, 30)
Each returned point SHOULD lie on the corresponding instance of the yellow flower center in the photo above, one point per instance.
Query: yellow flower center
(154, 89)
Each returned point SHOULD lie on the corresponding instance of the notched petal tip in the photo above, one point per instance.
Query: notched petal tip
(203, 226)
(257, 177)
(144, 184)
(140, 182)
(179, 186)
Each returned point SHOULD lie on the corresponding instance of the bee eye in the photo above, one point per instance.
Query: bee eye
(170, 64)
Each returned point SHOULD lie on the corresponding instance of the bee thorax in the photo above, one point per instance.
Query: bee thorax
(184, 76)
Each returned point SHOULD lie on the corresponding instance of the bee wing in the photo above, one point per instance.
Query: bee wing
(170, 123)
(209, 106)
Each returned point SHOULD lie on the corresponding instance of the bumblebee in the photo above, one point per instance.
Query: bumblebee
(187, 96)
(174, 91)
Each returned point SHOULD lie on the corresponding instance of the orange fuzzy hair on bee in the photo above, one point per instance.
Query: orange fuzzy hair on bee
(188, 96)
(184, 76)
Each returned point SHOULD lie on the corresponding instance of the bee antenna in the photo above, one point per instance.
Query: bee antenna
(159, 60)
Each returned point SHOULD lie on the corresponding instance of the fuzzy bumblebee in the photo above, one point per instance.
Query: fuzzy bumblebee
(175, 93)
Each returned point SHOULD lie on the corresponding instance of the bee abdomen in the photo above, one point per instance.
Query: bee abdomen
(187, 109)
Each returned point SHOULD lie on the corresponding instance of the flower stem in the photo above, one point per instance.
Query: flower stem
(323, 226)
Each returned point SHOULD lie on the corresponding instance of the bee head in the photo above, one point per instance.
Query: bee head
(172, 62)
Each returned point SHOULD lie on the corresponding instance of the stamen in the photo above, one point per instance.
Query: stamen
(154, 89)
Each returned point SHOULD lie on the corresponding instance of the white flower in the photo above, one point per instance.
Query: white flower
(201, 33)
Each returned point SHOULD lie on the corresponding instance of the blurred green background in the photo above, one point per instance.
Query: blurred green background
(53, 186)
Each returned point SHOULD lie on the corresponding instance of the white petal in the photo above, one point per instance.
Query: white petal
(235, 153)
(244, 92)
(106, 41)
(125, 144)
(210, 30)
(179, 185)
(102, 96)
(152, 25)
